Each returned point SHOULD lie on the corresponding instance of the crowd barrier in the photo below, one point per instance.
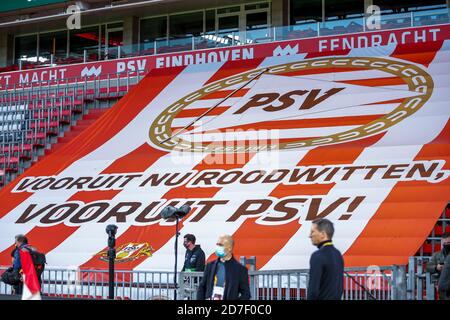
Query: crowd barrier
(366, 283)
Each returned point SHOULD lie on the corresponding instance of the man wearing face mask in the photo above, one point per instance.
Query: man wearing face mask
(194, 259)
(436, 265)
(224, 278)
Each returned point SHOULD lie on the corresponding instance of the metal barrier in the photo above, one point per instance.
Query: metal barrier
(420, 285)
(384, 283)
(29, 90)
(93, 284)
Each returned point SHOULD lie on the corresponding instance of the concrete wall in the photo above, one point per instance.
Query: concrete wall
(367, 3)
(6, 49)
(277, 17)
(130, 30)
(280, 12)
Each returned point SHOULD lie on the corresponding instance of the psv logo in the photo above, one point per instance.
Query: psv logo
(268, 101)
(301, 100)
(129, 252)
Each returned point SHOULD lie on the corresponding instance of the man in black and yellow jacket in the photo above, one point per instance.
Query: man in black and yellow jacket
(326, 273)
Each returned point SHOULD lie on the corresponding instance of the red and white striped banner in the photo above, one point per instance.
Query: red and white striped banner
(359, 136)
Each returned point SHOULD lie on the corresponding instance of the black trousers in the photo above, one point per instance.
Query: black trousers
(18, 288)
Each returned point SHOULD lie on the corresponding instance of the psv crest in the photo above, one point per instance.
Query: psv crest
(129, 252)
(305, 105)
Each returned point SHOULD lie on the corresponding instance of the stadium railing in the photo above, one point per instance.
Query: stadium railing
(33, 114)
(307, 29)
(420, 284)
(380, 283)
(384, 283)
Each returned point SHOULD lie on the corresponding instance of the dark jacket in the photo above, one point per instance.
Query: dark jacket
(194, 259)
(236, 281)
(437, 258)
(17, 264)
(326, 273)
(444, 280)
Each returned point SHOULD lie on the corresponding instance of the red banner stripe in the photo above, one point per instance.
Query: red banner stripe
(164, 233)
(193, 113)
(224, 93)
(422, 53)
(231, 68)
(62, 232)
(303, 123)
(106, 127)
(39, 236)
(136, 161)
(342, 52)
(376, 82)
(348, 152)
(397, 216)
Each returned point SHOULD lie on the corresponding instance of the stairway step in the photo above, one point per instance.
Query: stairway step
(73, 131)
(82, 124)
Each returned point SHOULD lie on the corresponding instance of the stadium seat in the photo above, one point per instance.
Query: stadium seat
(11, 164)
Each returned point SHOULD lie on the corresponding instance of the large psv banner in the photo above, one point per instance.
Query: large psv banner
(259, 148)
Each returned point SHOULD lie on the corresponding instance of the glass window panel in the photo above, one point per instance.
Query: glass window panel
(340, 9)
(229, 24)
(305, 11)
(85, 39)
(186, 25)
(115, 38)
(407, 5)
(153, 29)
(25, 48)
(210, 20)
(53, 43)
(256, 6)
(115, 25)
(256, 20)
(228, 10)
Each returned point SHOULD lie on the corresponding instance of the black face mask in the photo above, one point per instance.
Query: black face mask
(186, 245)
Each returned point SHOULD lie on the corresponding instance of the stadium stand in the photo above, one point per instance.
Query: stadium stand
(39, 119)
(32, 118)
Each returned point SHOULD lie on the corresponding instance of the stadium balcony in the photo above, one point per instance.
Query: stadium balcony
(306, 29)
